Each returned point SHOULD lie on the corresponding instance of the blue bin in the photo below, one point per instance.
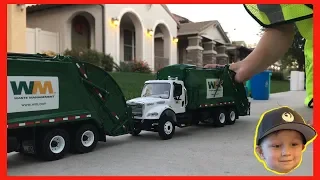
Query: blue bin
(260, 85)
(248, 87)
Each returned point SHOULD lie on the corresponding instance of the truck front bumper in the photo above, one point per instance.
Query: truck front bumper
(146, 124)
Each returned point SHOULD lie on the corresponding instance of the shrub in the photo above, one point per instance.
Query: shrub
(100, 59)
(135, 66)
(126, 66)
(140, 66)
(107, 62)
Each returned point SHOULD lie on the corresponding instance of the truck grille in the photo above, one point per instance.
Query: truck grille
(136, 109)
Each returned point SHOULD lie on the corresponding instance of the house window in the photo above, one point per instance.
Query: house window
(129, 42)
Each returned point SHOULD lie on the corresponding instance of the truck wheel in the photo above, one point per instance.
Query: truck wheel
(55, 145)
(195, 122)
(231, 116)
(219, 119)
(166, 127)
(136, 132)
(86, 139)
(195, 118)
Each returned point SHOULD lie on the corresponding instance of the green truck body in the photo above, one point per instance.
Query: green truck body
(183, 95)
(209, 87)
(55, 96)
(60, 104)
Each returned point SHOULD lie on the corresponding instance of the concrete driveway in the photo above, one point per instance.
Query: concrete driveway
(192, 151)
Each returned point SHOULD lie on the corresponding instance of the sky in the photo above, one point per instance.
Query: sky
(233, 18)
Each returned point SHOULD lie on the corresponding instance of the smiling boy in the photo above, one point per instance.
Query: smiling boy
(281, 137)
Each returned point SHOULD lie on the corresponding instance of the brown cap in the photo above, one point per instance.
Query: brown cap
(283, 118)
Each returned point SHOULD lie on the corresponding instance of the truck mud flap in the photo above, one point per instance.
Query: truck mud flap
(12, 144)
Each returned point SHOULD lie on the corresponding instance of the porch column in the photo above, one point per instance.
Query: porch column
(222, 57)
(194, 51)
(209, 53)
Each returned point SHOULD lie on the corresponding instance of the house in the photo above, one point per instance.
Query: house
(148, 32)
(201, 43)
(124, 31)
(213, 43)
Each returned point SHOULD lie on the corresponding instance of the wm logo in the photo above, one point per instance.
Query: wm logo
(214, 84)
(34, 87)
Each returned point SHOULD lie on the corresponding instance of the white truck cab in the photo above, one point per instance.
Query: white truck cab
(159, 98)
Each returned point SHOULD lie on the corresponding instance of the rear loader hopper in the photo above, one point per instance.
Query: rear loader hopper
(59, 104)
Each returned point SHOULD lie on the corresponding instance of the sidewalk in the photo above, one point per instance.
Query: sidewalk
(295, 100)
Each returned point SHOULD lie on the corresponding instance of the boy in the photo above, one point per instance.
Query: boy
(281, 137)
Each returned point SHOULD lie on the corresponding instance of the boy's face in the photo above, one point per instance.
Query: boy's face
(282, 150)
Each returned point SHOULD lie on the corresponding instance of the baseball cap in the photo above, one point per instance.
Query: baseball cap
(284, 118)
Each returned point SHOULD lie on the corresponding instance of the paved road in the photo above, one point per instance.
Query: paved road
(192, 151)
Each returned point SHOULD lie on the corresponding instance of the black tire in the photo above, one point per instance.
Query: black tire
(135, 132)
(166, 127)
(219, 118)
(195, 122)
(195, 118)
(231, 116)
(55, 144)
(85, 134)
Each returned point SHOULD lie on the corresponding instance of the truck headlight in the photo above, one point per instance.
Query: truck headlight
(153, 114)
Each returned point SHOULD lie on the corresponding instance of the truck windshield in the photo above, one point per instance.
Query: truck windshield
(161, 90)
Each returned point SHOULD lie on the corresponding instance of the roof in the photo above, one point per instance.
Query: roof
(169, 12)
(198, 27)
(40, 7)
(181, 19)
(195, 27)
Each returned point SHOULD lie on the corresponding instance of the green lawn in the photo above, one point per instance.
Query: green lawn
(132, 83)
(279, 86)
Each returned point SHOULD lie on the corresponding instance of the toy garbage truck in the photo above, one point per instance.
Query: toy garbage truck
(184, 95)
(57, 104)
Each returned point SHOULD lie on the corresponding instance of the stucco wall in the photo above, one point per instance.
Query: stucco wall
(149, 18)
(16, 28)
(59, 20)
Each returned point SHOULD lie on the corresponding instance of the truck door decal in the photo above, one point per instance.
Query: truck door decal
(32, 93)
(214, 88)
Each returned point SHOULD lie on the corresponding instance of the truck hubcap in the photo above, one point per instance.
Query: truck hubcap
(168, 127)
(222, 118)
(87, 138)
(232, 115)
(57, 144)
